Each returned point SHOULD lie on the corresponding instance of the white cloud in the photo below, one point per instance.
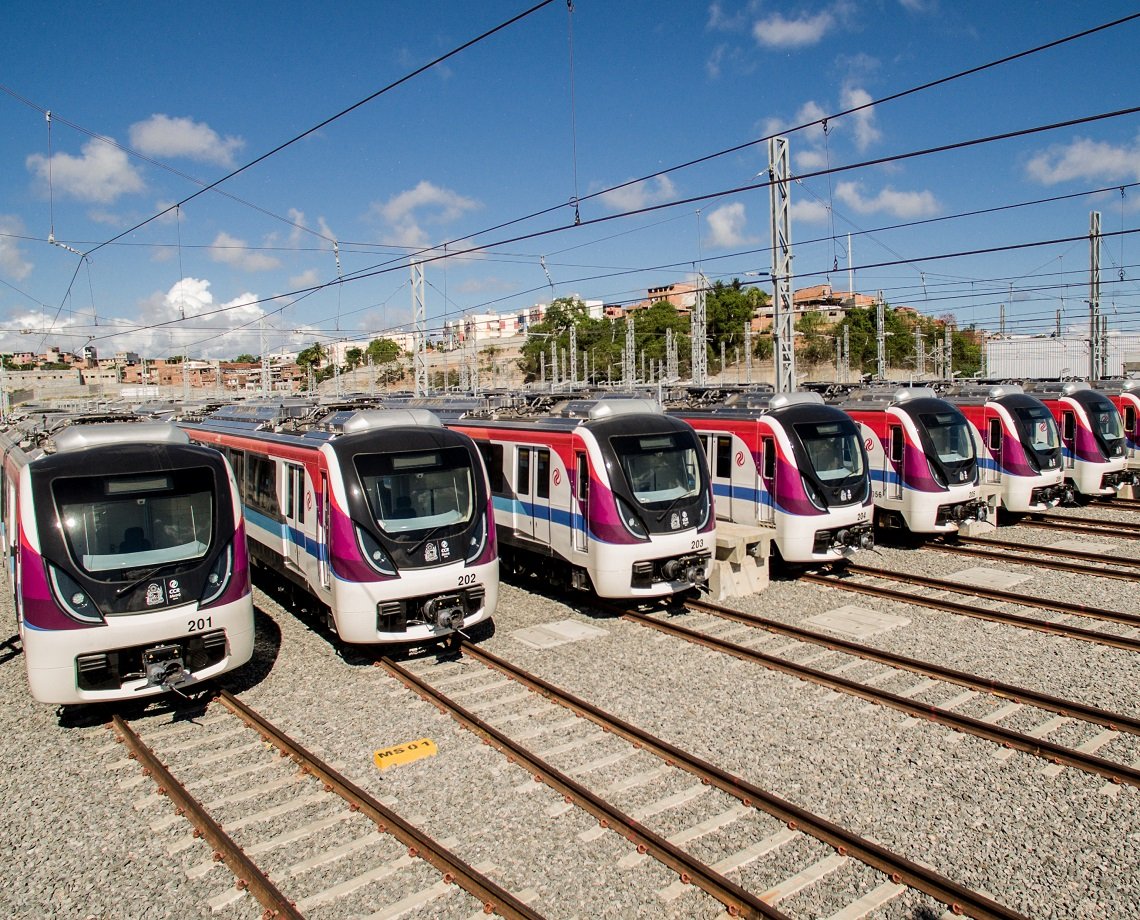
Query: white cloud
(12, 260)
(777, 31)
(640, 194)
(232, 251)
(808, 212)
(306, 279)
(866, 132)
(428, 202)
(906, 205)
(727, 225)
(1085, 159)
(163, 136)
(101, 175)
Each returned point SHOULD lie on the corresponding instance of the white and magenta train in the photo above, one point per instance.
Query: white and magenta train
(606, 494)
(382, 515)
(923, 461)
(1018, 443)
(126, 555)
(1125, 395)
(792, 463)
(1092, 436)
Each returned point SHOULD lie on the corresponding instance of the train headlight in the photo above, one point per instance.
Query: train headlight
(630, 520)
(71, 598)
(219, 577)
(478, 539)
(703, 510)
(813, 494)
(374, 554)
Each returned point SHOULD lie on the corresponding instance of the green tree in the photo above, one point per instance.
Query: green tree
(353, 358)
(383, 351)
(311, 356)
(246, 359)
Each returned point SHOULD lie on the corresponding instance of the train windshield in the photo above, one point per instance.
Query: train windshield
(417, 490)
(1105, 420)
(660, 468)
(111, 523)
(949, 434)
(1038, 431)
(833, 449)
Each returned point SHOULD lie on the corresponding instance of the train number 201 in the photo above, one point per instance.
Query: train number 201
(466, 580)
(200, 623)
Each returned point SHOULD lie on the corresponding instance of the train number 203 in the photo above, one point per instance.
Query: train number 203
(200, 623)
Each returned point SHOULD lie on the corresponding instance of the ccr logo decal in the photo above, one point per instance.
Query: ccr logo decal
(557, 477)
(740, 458)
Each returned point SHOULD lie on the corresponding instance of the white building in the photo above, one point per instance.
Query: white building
(1046, 356)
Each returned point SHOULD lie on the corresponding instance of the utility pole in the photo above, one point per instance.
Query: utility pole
(628, 368)
(919, 353)
(783, 316)
(573, 357)
(881, 338)
(748, 350)
(846, 354)
(948, 353)
(1096, 342)
(698, 329)
(419, 314)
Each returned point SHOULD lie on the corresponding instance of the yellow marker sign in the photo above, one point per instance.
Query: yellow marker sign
(404, 753)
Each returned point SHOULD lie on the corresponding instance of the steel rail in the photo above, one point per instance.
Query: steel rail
(1130, 526)
(1047, 750)
(1011, 597)
(1046, 550)
(493, 897)
(899, 869)
(248, 875)
(1059, 565)
(1104, 529)
(1069, 708)
(980, 613)
(739, 901)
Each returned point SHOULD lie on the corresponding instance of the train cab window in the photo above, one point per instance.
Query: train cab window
(769, 458)
(522, 470)
(237, 464)
(995, 434)
(111, 523)
(896, 444)
(1068, 425)
(1130, 419)
(582, 479)
(542, 473)
(723, 456)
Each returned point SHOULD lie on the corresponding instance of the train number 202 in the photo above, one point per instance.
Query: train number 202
(466, 580)
(200, 623)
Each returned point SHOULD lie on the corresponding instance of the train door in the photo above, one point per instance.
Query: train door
(581, 516)
(1068, 438)
(541, 490)
(767, 495)
(1131, 430)
(994, 444)
(324, 500)
(523, 523)
(294, 513)
(893, 465)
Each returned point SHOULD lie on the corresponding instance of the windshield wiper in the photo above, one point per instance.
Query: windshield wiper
(148, 576)
(673, 504)
(422, 540)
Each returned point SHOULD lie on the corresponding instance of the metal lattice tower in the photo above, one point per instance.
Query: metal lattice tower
(783, 308)
(881, 338)
(698, 330)
(670, 355)
(846, 354)
(628, 368)
(948, 353)
(919, 351)
(748, 350)
(420, 321)
(573, 356)
(1096, 341)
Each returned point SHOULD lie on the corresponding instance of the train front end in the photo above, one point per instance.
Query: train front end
(412, 545)
(132, 577)
(655, 512)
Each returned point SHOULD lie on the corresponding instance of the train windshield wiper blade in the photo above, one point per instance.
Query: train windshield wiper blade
(147, 577)
(422, 540)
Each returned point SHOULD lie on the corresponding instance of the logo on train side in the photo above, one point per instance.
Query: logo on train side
(557, 477)
(869, 444)
(740, 458)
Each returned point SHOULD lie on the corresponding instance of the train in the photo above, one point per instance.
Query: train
(125, 551)
(790, 462)
(609, 495)
(1092, 436)
(381, 514)
(923, 460)
(1018, 445)
(1125, 395)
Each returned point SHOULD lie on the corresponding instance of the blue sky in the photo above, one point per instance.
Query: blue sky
(489, 148)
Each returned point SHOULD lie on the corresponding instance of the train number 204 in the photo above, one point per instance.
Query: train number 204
(200, 623)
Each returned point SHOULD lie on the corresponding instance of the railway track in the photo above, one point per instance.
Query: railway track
(268, 778)
(1064, 560)
(1120, 727)
(712, 802)
(1082, 524)
(846, 581)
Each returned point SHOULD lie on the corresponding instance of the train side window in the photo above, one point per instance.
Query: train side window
(769, 458)
(995, 434)
(1130, 418)
(1068, 425)
(542, 473)
(262, 482)
(582, 479)
(237, 464)
(723, 456)
(522, 472)
(493, 460)
(896, 444)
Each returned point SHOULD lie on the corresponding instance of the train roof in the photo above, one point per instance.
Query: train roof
(1116, 386)
(753, 404)
(308, 420)
(884, 397)
(976, 394)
